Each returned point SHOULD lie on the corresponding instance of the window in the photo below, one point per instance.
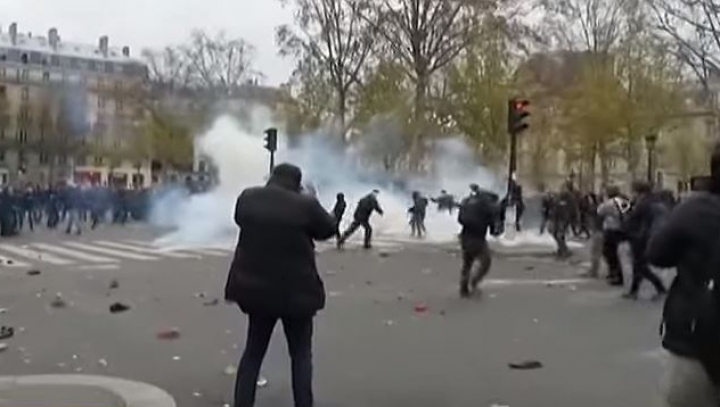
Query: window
(62, 159)
(92, 65)
(13, 55)
(25, 74)
(98, 160)
(21, 136)
(109, 67)
(24, 115)
(21, 157)
(2, 155)
(74, 63)
(54, 60)
(101, 101)
(46, 76)
(24, 58)
(25, 93)
(119, 105)
(35, 58)
(44, 159)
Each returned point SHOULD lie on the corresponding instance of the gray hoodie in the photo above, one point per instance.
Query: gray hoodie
(612, 212)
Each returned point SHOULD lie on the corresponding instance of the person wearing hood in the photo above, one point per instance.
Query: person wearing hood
(274, 277)
(338, 211)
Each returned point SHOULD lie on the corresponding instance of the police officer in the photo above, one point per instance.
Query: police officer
(479, 213)
(561, 215)
(364, 210)
(339, 211)
(417, 214)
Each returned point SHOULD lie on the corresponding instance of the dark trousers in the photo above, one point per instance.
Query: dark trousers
(474, 250)
(543, 223)
(298, 332)
(417, 224)
(559, 228)
(641, 271)
(611, 242)
(22, 213)
(354, 227)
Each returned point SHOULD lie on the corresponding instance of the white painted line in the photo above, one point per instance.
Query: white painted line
(110, 252)
(155, 251)
(74, 253)
(35, 255)
(558, 282)
(208, 252)
(99, 267)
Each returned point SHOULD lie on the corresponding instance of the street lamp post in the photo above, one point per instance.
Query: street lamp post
(650, 142)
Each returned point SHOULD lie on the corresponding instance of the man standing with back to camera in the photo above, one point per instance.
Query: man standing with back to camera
(274, 277)
(689, 239)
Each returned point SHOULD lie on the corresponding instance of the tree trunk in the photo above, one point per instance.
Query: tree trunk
(419, 122)
(341, 114)
(604, 170)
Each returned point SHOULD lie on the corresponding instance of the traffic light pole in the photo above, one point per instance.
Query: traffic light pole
(513, 161)
(272, 161)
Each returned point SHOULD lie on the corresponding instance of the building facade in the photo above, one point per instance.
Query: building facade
(69, 112)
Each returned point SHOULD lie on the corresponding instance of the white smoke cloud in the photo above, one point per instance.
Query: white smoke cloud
(237, 150)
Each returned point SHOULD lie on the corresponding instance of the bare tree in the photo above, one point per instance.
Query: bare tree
(218, 63)
(426, 36)
(168, 68)
(333, 33)
(694, 27)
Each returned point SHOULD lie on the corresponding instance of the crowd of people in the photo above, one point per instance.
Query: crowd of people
(69, 207)
(273, 275)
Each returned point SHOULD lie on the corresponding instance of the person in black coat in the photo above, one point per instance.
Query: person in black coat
(646, 211)
(479, 213)
(689, 240)
(273, 276)
(339, 211)
(364, 210)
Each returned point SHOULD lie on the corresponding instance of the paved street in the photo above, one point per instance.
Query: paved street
(371, 347)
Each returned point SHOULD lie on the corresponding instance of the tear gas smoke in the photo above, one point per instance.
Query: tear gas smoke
(236, 150)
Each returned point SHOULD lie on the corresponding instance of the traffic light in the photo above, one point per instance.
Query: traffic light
(517, 113)
(271, 140)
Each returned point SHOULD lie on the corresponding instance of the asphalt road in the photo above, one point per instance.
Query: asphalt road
(371, 347)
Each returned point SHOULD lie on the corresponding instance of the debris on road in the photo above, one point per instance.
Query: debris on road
(529, 268)
(389, 322)
(103, 363)
(119, 307)
(176, 358)
(61, 365)
(427, 271)
(384, 254)
(211, 303)
(369, 283)
(442, 313)
(535, 320)
(114, 284)
(197, 394)
(33, 272)
(330, 273)
(421, 308)
(526, 365)
(58, 302)
(230, 370)
(3, 346)
(3, 311)
(262, 382)
(200, 295)
(334, 294)
(169, 334)
(6, 332)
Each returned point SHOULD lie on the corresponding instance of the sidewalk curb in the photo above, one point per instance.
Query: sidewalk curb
(133, 394)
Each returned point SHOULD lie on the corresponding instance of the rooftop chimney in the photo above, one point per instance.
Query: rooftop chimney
(53, 38)
(104, 45)
(13, 33)
(126, 51)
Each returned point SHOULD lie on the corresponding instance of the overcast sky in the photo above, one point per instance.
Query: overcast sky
(155, 23)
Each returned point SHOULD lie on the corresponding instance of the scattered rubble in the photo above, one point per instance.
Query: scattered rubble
(526, 365)
(3, 347)
(58, 302)
(169, 334)
(6, 332)
(114, 284)
(384, 254)
(103, 363)
(119, 307)
(230, 370)
(212, 303)
(197, 394)
(200, 295)
(33, 272)
(421, 308)
(389, 322)
(330, 273)
(3, 311)
(427, 271)
(262, 382)
(176, 358)
(529, 268)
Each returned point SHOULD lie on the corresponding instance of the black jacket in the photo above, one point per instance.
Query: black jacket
(686, 240)
(273, 271)
(339, 210)
(478, 214)
(638, 225)
(365, 208)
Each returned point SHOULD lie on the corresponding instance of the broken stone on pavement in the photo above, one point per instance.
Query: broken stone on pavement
(114, 284)
(421, 308)
(119, 307)
(59, 301)
(169, 334)
(103, 362)
(526, 365)
(6, 332)
(3, 346)
(230, 370)
(33, 272)
(211, 303)
(262, 382)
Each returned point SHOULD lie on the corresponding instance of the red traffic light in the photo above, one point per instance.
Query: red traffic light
(521, 104)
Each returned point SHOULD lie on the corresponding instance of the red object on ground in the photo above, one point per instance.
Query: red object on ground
(421, 307)
(169, 334)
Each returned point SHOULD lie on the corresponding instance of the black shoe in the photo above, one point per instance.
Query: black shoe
(464, 292)
(630, 296)
(616, 282)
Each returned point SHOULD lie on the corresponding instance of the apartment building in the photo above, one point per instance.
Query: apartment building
(68, 111)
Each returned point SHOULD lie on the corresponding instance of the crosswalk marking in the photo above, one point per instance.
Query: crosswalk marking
(137, 249)
(110, 252)
(209, 252)
(35, 255)
(202, 250)
(8, 262)
(74, 253)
